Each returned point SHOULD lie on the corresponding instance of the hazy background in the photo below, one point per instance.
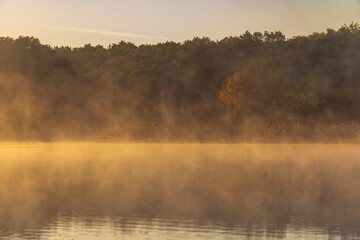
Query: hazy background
(275, 70)
(75, 23)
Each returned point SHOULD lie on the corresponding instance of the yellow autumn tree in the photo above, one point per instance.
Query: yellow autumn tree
(232, 92)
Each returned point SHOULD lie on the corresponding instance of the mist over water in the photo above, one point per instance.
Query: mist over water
(162, 191)
(68, 115)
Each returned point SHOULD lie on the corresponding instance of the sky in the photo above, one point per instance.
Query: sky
(77, 22)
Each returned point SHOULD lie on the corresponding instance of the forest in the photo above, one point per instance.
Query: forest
(256, 87)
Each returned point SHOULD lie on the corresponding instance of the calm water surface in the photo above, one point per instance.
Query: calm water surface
(179, 191)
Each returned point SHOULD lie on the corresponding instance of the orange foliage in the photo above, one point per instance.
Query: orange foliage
(232, 92)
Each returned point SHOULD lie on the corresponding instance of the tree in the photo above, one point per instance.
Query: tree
(232, 93)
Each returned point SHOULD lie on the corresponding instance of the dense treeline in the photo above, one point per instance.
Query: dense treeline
(258, 86)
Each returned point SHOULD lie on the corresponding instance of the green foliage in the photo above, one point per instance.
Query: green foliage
(283, 86)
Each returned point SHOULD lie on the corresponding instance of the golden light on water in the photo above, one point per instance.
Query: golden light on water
(229, 183)
(178, 120)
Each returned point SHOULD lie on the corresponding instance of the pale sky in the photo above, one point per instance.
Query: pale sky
(76, 22)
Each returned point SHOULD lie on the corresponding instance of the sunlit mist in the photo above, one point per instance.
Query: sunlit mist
(168, 119)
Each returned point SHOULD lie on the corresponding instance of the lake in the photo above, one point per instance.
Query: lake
(179, 191)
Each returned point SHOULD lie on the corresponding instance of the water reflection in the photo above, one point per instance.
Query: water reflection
(179, 191)
(77, 227)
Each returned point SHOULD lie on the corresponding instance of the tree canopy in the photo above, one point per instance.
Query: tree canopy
(258, 86)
